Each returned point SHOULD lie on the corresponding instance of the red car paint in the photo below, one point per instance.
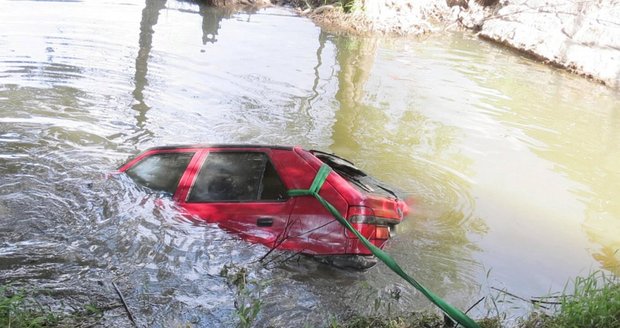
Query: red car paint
(264, 213)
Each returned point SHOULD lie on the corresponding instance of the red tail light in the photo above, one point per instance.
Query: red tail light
(382, 232)
(361, 214)
(362, 218)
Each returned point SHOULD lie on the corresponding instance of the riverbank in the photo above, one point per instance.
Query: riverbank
(371, 17)
(592, 301)
(582, 37)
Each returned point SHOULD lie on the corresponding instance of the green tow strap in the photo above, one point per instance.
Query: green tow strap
(448, 309)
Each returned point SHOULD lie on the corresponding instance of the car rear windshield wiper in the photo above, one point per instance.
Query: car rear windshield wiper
(388, 191)
(356, 181)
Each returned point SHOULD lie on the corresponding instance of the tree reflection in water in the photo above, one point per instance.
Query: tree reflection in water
(442, 218)
(150, 16)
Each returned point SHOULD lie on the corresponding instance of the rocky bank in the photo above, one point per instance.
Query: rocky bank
(581, 36)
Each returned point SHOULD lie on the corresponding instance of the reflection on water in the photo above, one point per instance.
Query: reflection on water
(150, 14)
(211, 18)
(510, 165)
(365, 128)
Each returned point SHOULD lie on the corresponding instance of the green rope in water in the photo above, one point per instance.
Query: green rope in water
(448, 309)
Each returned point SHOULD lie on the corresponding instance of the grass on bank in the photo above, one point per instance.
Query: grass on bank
(593, 302)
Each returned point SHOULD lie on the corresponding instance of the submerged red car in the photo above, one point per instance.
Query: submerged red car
(244, 188)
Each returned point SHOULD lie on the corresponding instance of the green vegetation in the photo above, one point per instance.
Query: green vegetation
(595, 303)
(247, 294)
(19, 309)
(351, 6)
(348, 6)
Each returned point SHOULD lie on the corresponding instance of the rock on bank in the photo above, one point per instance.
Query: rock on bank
(395, 17)
(581, 36)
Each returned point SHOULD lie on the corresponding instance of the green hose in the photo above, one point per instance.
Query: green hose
(448, 309)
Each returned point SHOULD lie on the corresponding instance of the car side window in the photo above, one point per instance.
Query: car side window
(272, 188)
(160, 172)
(237, 176)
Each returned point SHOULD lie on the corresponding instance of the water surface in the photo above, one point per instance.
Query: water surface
(512, 166)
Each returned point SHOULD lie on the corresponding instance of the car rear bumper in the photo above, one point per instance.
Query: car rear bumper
(356, 247)
(356, 262)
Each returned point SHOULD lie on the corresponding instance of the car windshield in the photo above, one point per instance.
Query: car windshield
(354, 175)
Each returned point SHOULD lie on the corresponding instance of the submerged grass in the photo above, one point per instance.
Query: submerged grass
(20, 309)
(17, 310)
(248, 301)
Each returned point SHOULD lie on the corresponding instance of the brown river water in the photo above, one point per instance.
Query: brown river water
(513, 166)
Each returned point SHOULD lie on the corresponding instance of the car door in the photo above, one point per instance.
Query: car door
(241, 191)
(311, 229)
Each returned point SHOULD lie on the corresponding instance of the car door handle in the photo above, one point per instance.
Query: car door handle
(264, 222)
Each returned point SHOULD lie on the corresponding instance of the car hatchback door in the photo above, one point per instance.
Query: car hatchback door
(241, 191)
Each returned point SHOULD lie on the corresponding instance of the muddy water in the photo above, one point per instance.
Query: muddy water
(512, 166)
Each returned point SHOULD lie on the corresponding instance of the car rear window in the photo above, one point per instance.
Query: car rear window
(237, 176)
(161, 172)
(355, 176)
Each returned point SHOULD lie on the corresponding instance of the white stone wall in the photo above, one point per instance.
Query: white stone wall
(583, 36)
